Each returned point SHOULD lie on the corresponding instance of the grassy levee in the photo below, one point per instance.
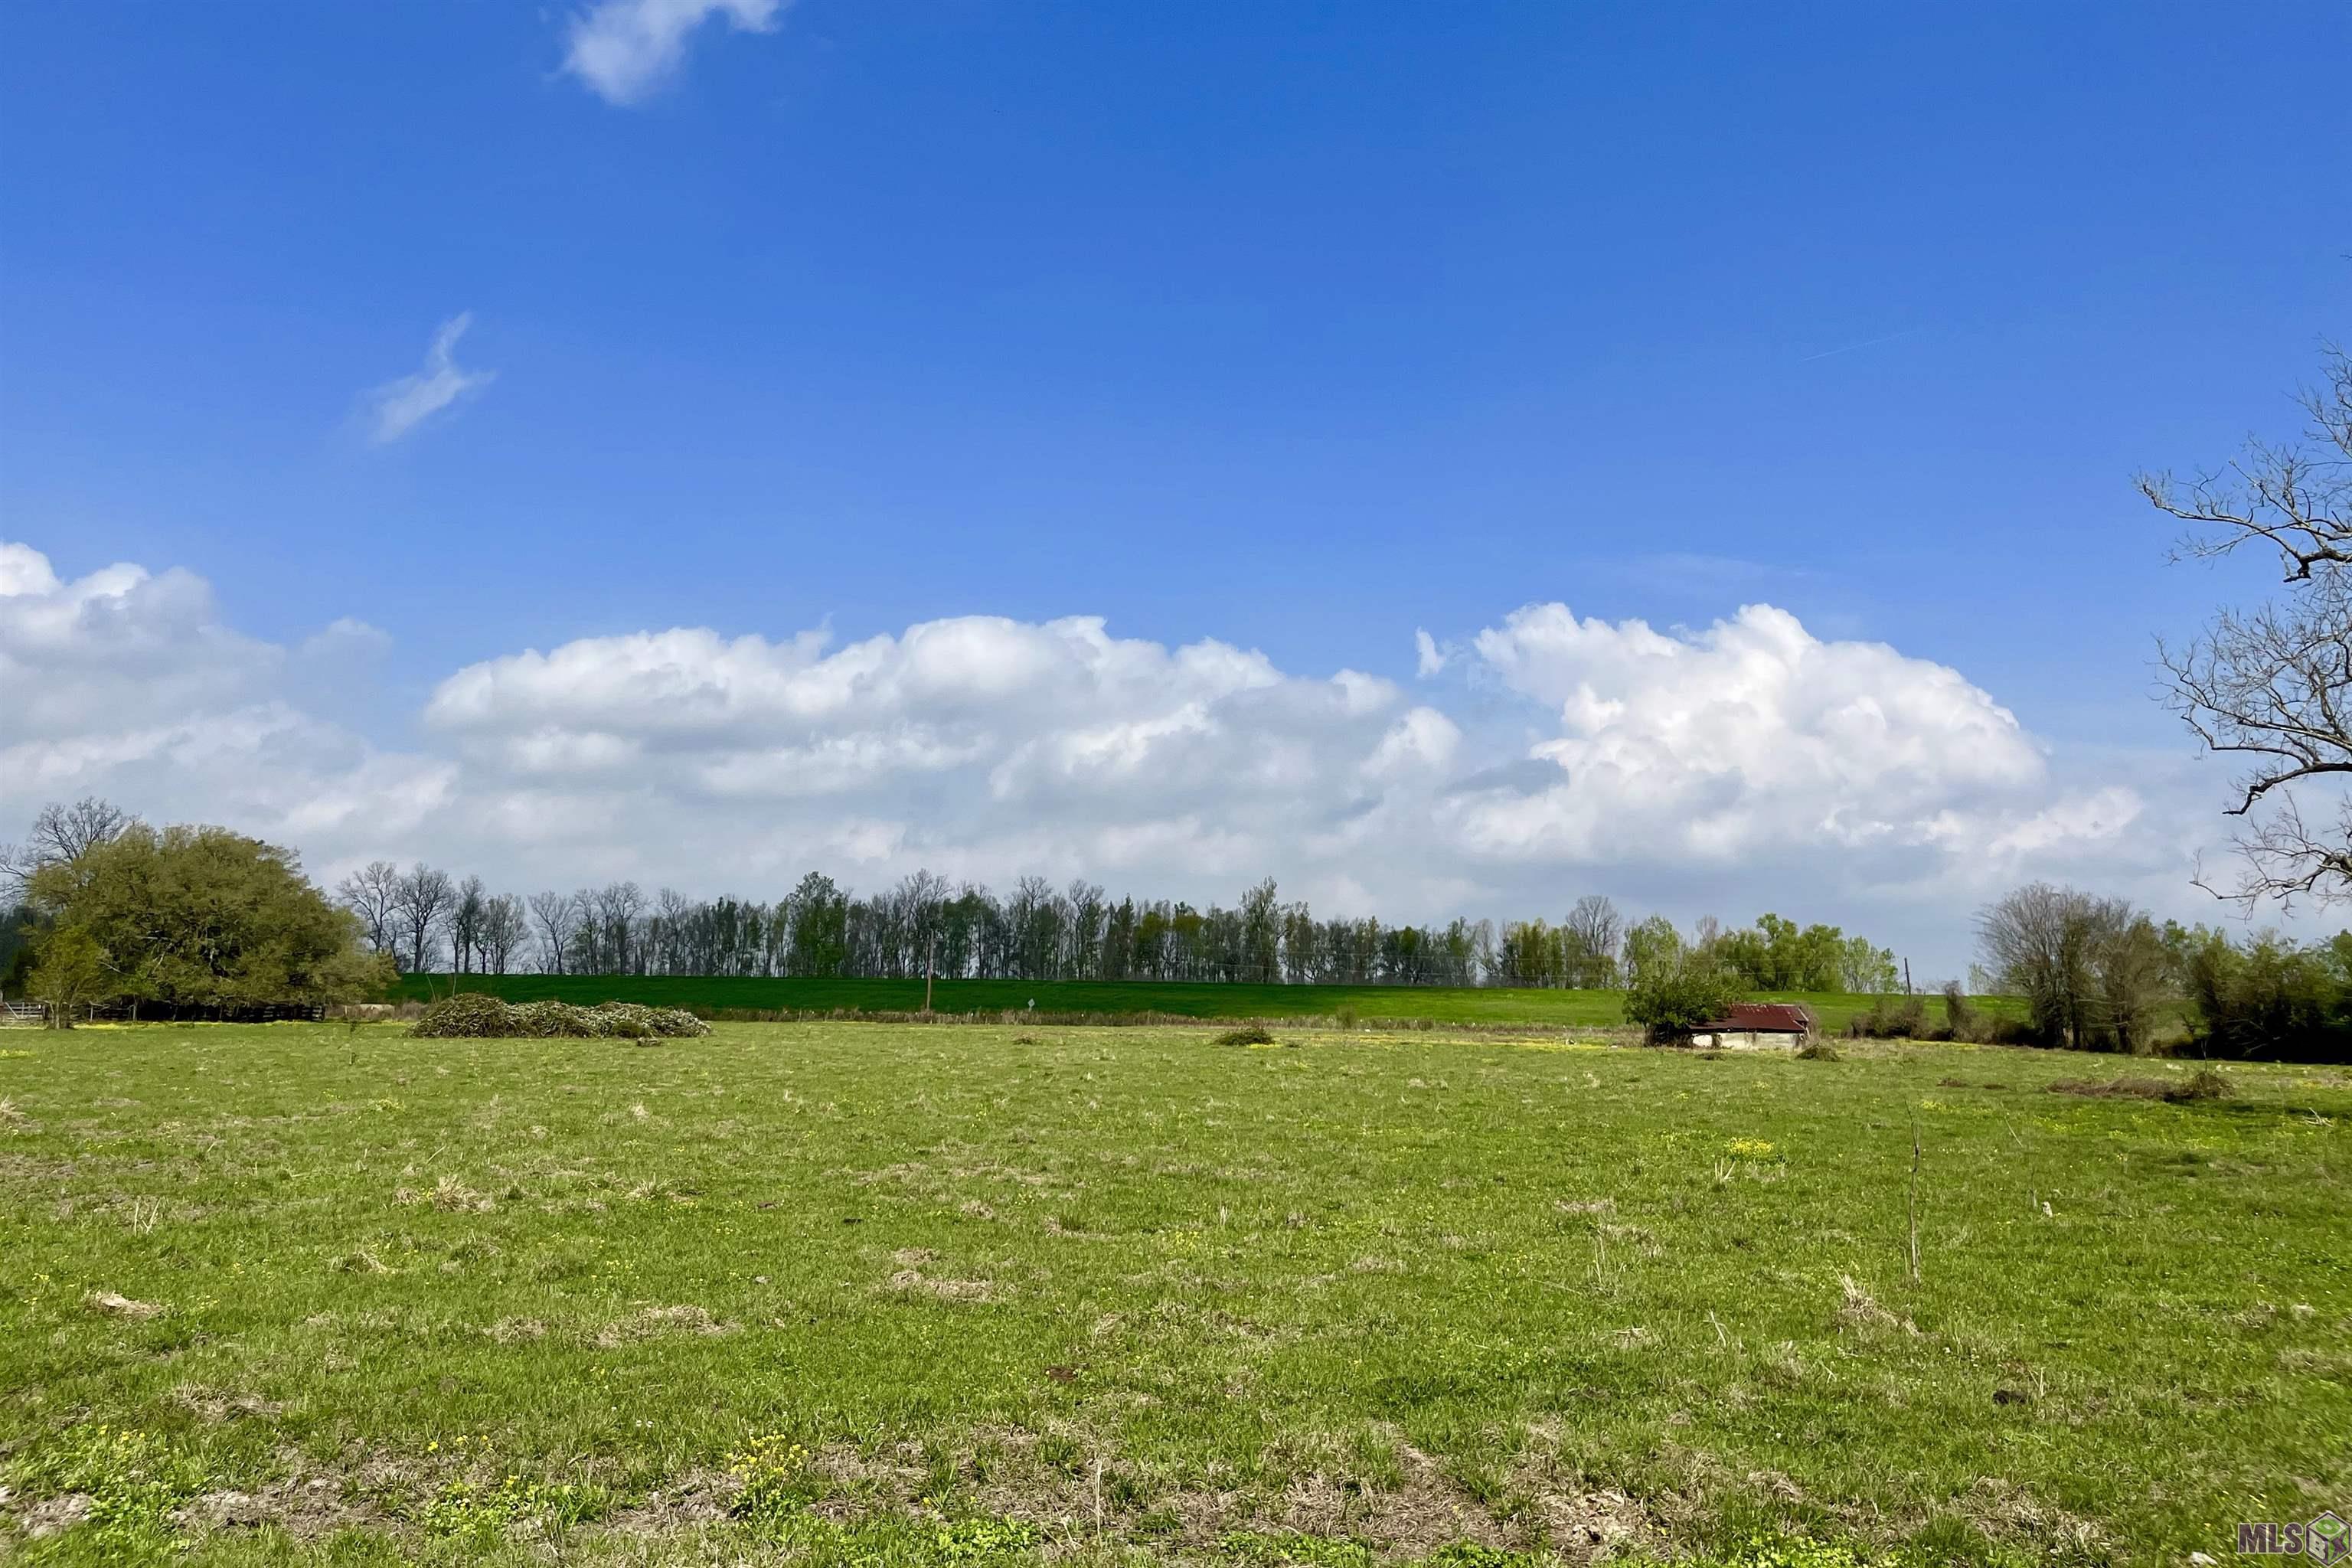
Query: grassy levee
(838, 1294)
(1442, 1005)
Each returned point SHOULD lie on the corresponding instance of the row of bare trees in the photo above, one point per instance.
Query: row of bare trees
(429, 921)
(1038, 931)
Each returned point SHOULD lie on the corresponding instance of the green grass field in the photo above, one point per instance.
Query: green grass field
(1442, 1005)
(875, 1294)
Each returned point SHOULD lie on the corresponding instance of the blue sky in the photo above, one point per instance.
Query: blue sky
(1296, 328)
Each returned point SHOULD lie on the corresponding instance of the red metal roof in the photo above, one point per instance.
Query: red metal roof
(1764, 1017)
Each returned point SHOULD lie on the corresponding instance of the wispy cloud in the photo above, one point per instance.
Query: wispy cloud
(1866, 343)
(623, 49)
(399, 406)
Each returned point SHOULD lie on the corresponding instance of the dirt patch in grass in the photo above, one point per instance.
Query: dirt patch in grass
(689, 1501)
(50, 1515)
(2007, 1511)
(216, 1406)
(112, 1304)
(305, 1509)
(1429, 1509)
(1416, 1509)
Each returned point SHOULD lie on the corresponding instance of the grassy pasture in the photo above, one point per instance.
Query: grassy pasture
(1441, 1005)
(851, 1293)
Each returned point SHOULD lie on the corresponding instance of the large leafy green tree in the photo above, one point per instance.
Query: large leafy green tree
(1777, 955)
(820, 915)
(204, 917)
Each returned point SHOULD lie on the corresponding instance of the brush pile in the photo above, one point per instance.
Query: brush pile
(472, 1015)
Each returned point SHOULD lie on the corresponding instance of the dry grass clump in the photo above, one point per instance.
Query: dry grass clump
(1859, 1312)
(1249, 1034)
(218, 1406)
(914, 1282)
(2205, 1083)
(1819, 1051)
(448, 1194)
(473, 1015)
(112, 1304)
(651, 1322)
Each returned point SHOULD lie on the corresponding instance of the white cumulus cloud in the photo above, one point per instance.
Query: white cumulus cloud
(624, 50)
(127, 683)
(399, 406)
(975, 729)
(117, 649)
(1750, 738)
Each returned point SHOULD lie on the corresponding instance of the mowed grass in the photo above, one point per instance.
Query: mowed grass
(860, 1293)
(1438, 1004)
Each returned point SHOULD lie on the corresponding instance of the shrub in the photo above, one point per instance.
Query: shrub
(1818, 1051)
(1959, 1015)
(1249, 1034)
(1891, 1018)
(2269, 997)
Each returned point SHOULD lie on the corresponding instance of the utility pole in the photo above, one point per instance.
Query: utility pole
(931, 965)
(1906, 978)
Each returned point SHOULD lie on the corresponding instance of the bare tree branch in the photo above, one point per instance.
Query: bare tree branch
(2274, 686)
(2297, 501)
(60, 834)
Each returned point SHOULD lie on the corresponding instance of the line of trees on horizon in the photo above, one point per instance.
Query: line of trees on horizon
(109, 909)
(431, 921)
